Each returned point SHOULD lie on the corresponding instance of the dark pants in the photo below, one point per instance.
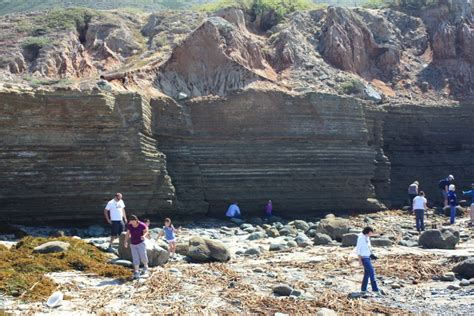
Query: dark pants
(411, 197)
(452, 213)
(420, 219)
(369, 272)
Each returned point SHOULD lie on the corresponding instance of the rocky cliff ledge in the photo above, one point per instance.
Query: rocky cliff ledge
(63, 154)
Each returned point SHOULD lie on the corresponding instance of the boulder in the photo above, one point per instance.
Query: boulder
(322, 239)
(206, 250)
(157, 256)
(311, 232)
(408, 243)
(381, 242)
(444, 238)
(96, 231)
(301, 225)
(52, 246)
(448, 277)
(459, 211)
(334, 227)
(292, 244)
(349, 239)
(465, 268)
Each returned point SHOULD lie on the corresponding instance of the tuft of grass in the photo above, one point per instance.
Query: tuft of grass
(35, 43)
(353, 86)
(22, 271)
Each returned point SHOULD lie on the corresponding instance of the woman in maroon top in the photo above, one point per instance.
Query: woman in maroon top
(136, 233)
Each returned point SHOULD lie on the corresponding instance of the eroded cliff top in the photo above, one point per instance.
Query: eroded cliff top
(385, 54)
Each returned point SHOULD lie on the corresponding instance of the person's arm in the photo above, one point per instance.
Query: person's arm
(446, 188)
(145, 232)
(358, 250)
(160, 235)
(107, 217)
(124, 216)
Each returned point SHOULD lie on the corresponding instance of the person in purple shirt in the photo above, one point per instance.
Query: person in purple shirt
(269, 209)
(136, 233)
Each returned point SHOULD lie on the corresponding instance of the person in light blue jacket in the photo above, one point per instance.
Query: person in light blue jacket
(471, 194)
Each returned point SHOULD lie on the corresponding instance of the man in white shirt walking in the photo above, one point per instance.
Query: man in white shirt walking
(364, 252)
(419, 207)
(115, 215)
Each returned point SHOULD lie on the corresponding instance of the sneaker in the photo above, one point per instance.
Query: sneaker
(377, 294)
(110, 249)
(145, 273)
(136, 275)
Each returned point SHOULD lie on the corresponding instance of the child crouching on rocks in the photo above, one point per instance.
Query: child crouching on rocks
(169, 233)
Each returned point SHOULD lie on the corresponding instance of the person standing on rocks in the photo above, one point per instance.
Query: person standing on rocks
(413, 191)
(136, 233)
(471, 194)
(364, 252)
(452, 203)
(115, 215)
(419, 207)
(444, 186)
(169, 232)
(268, 209)
(233, 211)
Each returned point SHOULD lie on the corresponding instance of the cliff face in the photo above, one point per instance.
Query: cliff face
(64, 154)
(306, 152)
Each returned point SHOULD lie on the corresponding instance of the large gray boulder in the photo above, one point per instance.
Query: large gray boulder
(52, 246)
(444, 238)
(157, 256)
(334, 227)
(349, 239)
(206, 250)
(381, 242)
(465, 268)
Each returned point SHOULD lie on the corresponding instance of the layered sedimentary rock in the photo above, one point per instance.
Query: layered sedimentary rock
(306, 153)
(427, 143)
(64, 154)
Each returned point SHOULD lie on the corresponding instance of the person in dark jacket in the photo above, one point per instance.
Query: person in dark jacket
(444, 185)
(452, 202)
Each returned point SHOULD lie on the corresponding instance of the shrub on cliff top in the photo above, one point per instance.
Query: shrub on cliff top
(22, 272)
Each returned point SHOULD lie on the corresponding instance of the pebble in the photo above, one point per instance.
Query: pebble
(258, 270)
(396, 286)
(253, 251)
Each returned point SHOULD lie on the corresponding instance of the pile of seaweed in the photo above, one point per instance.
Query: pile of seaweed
(22, 271)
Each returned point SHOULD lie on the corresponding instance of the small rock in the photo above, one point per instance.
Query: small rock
(52, 247)
(465, 268)
(396, 286)
(311, 232)
(349, 239)
(326, 312)
(301, 225)
(454, 287)
(408, 243)
(381, 242)
(258, 270)
(322, 239)
(287, 231)
(282, 290)
(272, 232)
(245, 226)
(292, 244)
(464, 282)
(253, 251)
(277, 247)
(123, 263)
(302, 240)
(448, 277)
(296, 293)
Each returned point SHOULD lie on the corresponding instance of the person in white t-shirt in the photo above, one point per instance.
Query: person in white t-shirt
(233, 211)
(115, 215)
(419, 207)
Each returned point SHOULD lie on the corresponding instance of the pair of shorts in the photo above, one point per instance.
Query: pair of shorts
(445, 194)
(116, 228)
(171, 240)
